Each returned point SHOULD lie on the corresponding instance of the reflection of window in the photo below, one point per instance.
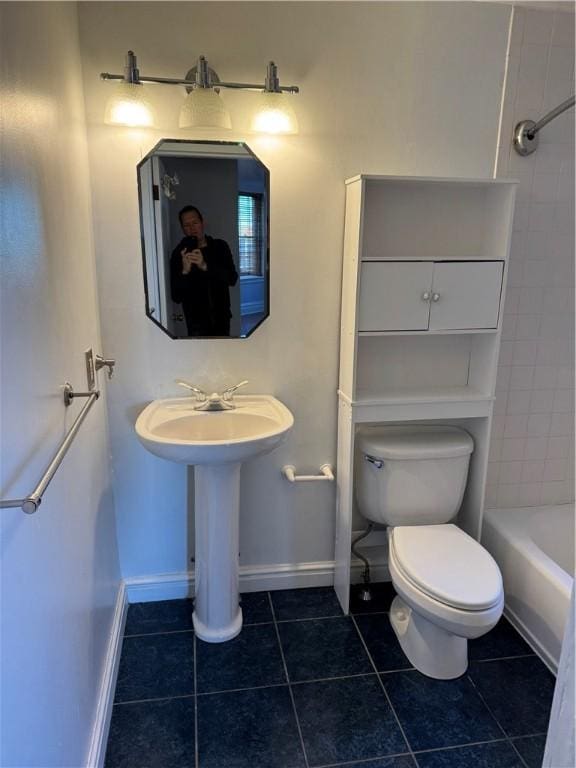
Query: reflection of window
(250, 233)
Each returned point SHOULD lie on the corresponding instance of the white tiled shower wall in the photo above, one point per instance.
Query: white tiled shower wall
(532, 449)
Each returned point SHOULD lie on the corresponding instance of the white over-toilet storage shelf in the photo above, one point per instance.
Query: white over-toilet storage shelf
(424, 276)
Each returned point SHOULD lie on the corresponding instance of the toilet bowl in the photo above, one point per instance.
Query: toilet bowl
(449, 590)
(412, 478)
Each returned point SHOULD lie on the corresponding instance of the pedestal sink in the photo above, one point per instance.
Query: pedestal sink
(216, 443)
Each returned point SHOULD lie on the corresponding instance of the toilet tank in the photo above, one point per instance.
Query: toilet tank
(411, 474)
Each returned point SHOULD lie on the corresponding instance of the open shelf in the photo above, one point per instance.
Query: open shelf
(435, 220)
(417, 368)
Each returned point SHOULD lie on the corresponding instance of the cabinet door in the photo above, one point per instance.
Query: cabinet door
(394, 295)
(466, 295)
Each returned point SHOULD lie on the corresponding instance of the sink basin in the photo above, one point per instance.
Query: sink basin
(216, 443)
(173, 430)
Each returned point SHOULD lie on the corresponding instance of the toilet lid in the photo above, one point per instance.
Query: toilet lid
(448, 565)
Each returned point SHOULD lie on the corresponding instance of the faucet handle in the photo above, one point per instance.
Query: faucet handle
(200, 394)
(227, 393)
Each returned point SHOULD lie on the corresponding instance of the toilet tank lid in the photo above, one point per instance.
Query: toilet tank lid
(414, 441)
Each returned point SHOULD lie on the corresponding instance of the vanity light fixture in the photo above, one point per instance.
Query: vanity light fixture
(203, 107)
(274, 114)
(126, 104)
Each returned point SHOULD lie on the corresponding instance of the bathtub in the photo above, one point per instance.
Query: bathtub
(534, 547)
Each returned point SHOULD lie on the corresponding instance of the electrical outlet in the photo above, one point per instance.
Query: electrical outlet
(90, 372)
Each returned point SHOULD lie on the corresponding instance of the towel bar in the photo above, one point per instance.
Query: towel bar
(31, 502)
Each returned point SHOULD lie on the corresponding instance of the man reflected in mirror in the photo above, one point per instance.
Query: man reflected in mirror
(201, 273)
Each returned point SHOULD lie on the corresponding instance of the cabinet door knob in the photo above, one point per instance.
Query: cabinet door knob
(425, 296)
(435, 297)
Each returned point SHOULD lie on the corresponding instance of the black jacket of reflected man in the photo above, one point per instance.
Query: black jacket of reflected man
(205, 296)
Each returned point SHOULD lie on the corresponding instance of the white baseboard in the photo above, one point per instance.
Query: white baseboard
(253, 578)
(160, 586)
(101, 727)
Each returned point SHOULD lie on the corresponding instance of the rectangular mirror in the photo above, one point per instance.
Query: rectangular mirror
(204, 216)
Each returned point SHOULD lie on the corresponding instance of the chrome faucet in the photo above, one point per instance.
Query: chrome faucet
(217, 401)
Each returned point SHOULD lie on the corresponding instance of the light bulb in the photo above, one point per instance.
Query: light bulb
(274, 115)
(126, 106)
(204, 108)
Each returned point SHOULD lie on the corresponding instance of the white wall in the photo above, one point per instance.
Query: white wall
(532, 451)
(398, 88)
(60, 571)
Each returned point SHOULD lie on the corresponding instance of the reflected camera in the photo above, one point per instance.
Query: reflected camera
(190, 243)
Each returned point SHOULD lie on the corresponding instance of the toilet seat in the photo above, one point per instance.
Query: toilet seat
(461, 622)
(447, 565)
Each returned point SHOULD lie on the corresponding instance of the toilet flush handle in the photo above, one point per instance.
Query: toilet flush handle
(378, 463)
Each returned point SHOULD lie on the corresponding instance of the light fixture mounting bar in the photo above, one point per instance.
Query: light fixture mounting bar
(183, 81)
(255, 87)
(200, 76)
(162, 80)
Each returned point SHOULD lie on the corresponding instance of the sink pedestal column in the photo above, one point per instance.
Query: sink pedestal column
(217, 614)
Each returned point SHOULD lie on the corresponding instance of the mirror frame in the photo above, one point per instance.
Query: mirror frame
(149, 314)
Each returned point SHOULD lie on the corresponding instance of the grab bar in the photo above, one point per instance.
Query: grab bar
(31, 503)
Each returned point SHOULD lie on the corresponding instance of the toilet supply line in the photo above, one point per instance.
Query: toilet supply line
(289, 472)
(365, 595)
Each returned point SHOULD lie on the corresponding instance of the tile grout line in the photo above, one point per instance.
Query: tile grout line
(238, 690)
(262, 623)
(307, 764)
(263, 687)
(461, 746)
(162, 632)
(518, 753)
(183, 631)
(331, 679)
(483, 700)
(361, 762)
(156, 698)
(528, 736)
(417, 752)
(384, 690)
(503, 658)
(310, 618)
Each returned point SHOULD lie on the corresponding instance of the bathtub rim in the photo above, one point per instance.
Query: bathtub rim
(543, 562)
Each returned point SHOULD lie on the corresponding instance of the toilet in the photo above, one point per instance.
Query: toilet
(412, 478)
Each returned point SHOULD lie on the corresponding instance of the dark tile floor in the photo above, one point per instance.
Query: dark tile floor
(303, 686)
